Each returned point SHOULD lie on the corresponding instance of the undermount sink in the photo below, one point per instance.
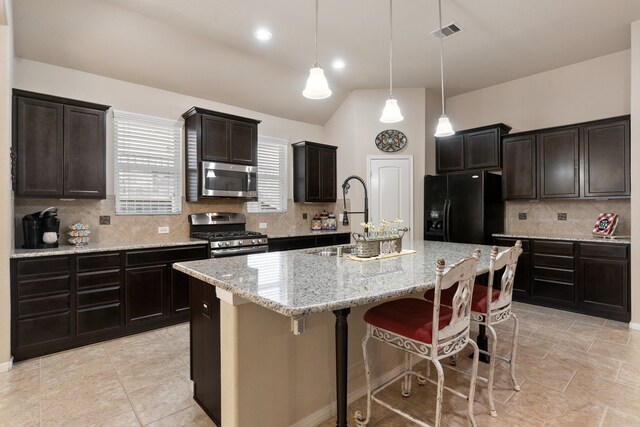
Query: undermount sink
(333, 250)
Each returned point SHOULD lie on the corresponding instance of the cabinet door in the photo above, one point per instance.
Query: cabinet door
(328, 175)
(450, 153)
(606, 159)
(313, 174)
(38, 137)
(243, 143)
(84, 152)
(521, 281)
(558, 160)
(604, 286)
(519, 167)
(215, 139)
(482, 149)
(145, 293)
(179, 293)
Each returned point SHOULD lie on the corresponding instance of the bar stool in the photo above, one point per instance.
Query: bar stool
(496, 311)
(427, 330)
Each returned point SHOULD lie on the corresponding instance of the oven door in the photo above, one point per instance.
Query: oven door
(227, 180)
(218, 253)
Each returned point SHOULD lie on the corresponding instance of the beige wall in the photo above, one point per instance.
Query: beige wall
(6, 195)
(353, 128)
(635, 171)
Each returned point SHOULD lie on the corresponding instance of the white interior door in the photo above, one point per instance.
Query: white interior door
(391, 189)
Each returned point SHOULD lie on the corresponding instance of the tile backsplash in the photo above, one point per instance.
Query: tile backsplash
(564, 217)
(135, 228)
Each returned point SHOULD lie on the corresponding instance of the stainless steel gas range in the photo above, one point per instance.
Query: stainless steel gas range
(226, 234)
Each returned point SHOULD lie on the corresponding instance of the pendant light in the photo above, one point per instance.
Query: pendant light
(444, 125)
(391, 112)
(317, 86)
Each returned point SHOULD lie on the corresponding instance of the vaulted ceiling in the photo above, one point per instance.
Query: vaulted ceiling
(206, 48)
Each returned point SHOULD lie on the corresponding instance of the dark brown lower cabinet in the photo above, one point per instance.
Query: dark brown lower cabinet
(205, 347)
(312, 241)
(66, 301)
(589, 278)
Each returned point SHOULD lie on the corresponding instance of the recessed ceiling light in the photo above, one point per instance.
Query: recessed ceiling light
(338, 64)
(263, 34)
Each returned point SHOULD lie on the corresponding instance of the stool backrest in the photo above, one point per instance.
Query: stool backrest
(507, 259)
(462, 274)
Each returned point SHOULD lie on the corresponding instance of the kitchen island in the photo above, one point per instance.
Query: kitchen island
(269, 376)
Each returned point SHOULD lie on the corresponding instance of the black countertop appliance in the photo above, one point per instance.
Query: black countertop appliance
(41, 229)
(463, 208)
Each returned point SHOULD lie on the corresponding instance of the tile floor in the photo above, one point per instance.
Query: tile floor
(574, 370)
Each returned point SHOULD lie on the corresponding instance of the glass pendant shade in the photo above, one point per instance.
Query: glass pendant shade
(444, 127)
(317, 86)
(391, 112)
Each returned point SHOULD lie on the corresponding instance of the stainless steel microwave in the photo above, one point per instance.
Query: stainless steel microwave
(228, 180)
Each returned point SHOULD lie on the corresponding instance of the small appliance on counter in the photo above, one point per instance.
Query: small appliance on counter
(41, 230)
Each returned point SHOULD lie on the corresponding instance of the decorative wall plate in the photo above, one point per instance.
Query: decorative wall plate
(391, 140)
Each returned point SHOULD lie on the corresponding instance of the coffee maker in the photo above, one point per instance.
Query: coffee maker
(41, 229)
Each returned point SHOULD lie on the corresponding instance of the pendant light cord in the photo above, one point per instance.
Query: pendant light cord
(316, 37)
(441, 55)
(390, 48)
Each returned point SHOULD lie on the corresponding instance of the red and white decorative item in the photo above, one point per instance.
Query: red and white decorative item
(606, 224)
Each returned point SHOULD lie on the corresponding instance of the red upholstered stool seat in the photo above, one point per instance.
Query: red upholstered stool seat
(478, 301)
(409, 317)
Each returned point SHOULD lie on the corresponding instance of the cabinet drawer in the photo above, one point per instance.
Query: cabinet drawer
(39, 266)
(553, 274)
(325, 240)
(165, 256)
(553, 261)
(44, 329)
(97, 319)
(44, 286)
(97, 262)
(98, 279)
(511, 242)
(598, 250)
(553, 248)
(560, 291)
(39, 306)
(99, 297)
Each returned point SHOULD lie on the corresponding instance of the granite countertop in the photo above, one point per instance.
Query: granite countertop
(303, 233)
(100, 247)
(565, 237)
(296, 283)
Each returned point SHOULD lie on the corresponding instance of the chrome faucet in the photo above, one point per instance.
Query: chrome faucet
(345, 190)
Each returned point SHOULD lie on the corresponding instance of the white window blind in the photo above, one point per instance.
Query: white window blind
(272, 176)
(147, 165)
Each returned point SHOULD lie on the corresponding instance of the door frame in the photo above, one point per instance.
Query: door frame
(372, 157)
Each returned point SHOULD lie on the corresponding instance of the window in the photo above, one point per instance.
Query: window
(147, 165)
(272, 176)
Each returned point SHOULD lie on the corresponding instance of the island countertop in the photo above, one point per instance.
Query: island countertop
(297, 283)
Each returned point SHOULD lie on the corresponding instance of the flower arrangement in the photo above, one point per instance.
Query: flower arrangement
(386, 229)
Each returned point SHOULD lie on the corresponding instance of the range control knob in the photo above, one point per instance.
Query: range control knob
(239, 242)
(228, 243)
(254, 241)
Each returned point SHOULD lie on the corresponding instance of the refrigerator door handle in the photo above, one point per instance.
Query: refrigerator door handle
(447, 209)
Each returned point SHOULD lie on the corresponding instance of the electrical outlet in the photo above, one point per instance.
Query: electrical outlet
(263, 225)
(105, 220)
(163, 230)
(304, 215)
(522, 216)
(562, 216)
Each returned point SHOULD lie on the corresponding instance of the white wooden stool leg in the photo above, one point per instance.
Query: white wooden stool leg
(406, 383)
(514, 345)
(492, 368)
(440, 391)
(360, 420)
(474, 377)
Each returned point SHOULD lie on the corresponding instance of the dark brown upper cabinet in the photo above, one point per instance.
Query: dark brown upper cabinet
(558, 160)
(607, 163)
(585, 160)
(222, 137)
(519, 167)
(314, 172)
(60, 145)
(471, 149)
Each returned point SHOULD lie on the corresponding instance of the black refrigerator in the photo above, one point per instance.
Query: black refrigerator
(463, 208)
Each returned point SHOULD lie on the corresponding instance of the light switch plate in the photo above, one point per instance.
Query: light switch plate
(263, 225)
(522, 216)
(562, 216)
(163, 230)
(105, 220)
(304, 215)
